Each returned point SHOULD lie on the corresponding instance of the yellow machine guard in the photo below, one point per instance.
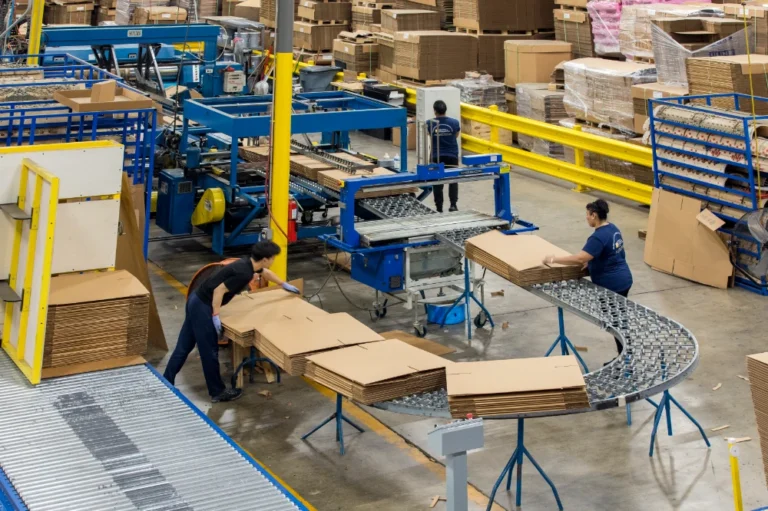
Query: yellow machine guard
(210, 208)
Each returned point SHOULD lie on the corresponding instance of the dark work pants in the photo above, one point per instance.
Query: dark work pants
(620, 346)
(198, 330)
(453, 188)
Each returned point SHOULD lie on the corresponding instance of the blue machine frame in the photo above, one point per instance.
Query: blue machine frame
(743, 139)
(248, 116)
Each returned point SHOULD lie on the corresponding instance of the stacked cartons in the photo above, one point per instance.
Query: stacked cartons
(758, 17)
(505, 15)
(64, 12)
(288, 341)
(535, 101)
(402, 20)
(490, 50)
(600, 90)
(575, 27)
(434, 55)
(356, 52)
(317, 36)
(334, 179)
(106, 10)
(646, 91)
(519, 258)
(307, 167)
(717, 75)
(197, 9)
(125, 9)
(757, 367)
(249, 9)
(268, 14)
(94, 317)
(366, 18)
(325, 11)
(386, 53)
(378, 371)
(159, 15)
(503, 387)
(444, 7)
(529, 61)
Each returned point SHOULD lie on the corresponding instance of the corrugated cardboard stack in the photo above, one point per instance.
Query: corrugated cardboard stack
(519, 258)
(757, 367)
(334, 179)
(159, 15)
(106, 10)
(758, 17)
(197, 9)
(66, 12)
(482, 90)
(510, 15)
(125, 9)
(645, 91)
(536, 101)
(367, 17)
(94, 317)
(288, 341)
(386, 53)
(356, 52)
(717, 75)
(307, 167)
(434, 55)
(533, 61)
(325, 11)
(269, 11)
(319, 23)
(378, 371)
(600, 90)
(249, 9)
(575, 27)
(402, 20)
(444, 7)
(502, 387)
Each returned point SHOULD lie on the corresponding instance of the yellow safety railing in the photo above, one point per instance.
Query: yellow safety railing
(576, 173)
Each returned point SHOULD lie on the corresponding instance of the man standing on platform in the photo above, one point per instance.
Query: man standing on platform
(202, 326)
(444, 132)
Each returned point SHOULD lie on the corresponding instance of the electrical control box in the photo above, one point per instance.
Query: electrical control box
(234, 82)
(175, 202)
(426, 97)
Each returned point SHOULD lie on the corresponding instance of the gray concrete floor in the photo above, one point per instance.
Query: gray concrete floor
(595, 459)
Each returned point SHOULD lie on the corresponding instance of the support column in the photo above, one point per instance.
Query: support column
(35, 31)
(281, 134)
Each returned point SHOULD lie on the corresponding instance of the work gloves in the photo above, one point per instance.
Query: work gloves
(290, 288)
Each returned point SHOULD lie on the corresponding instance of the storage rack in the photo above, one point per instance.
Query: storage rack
(734, 194)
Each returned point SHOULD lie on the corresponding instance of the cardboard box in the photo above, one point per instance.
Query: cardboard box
(356, 57)
(575, 27)
(716, 75)
(679, 243)
(490, 51)
(511, 15)
(402, 20)
(250, 10)
(104, 96)
(434, 55)
(411, 137)
(325, 11)
(758, 17)
(533, 61)
(63, 13)
(159, 15)
(641, 93)
(309, 36)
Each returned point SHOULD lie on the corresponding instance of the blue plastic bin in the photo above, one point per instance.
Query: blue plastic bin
(436, 313)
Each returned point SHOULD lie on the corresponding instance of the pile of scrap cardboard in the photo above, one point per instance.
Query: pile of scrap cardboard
(519, 258)
(504, 387)
(682, 240)
(757, 365)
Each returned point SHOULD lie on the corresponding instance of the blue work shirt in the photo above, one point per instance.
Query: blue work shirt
(608, 268)
(444, 132)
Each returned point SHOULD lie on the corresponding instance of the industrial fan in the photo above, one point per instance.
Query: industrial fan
(749, 246)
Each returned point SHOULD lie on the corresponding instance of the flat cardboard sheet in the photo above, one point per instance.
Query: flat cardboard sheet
(75, 288)
(514, 375)
(679, 244)
(419, 342)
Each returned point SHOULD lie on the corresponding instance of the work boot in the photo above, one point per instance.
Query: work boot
(439, 208)
(228, 395)
(453, 208)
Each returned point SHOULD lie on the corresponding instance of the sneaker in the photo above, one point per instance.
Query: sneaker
(453, 208)
(228, 395)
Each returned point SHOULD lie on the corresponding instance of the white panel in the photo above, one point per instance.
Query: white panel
(426, 97)
(37, 277)
(86, 235)
(81, 172)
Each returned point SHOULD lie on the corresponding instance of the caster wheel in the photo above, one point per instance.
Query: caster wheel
(480, 320)
(325, 214)
(306, 217)
(381, 311)
(420, 331)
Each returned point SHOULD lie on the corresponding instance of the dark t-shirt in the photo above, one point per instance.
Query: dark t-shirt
(609, 267)
(236, 276)
(444, 131)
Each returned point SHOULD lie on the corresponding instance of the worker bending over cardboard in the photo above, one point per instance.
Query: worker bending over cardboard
(202, 326)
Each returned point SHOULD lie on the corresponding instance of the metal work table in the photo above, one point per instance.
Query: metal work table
(121, 439)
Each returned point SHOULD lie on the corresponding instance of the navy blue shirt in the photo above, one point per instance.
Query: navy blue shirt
(608, 268)
(444, 132)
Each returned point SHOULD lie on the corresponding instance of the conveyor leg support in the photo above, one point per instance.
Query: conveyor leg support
(663, 407)
(565, 344)
(340, 419)
(467, 296)
(517, 459)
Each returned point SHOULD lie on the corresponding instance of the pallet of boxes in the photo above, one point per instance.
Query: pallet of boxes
(357, 52)
(319, 23)
(481, 90)
(366, 16)
(66, 12)
(573, 25)
(159, 15)
(105, 12)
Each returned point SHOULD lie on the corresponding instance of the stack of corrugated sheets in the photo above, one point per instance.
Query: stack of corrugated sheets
(429, 55)
(308, 167)
(378, 371)
(757, 365)
(289, 340)
(720, 75)
(334, 179)
(519, 258)
(528, 385)
(245, 312)
(94, 317)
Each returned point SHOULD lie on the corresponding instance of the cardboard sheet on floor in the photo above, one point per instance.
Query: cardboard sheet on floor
(378, 371)
(287, 341)
(682, 242)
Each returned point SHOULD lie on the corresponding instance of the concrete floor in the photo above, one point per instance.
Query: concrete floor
(595, 459)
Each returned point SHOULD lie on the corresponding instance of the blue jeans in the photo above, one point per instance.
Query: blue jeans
(198, 330)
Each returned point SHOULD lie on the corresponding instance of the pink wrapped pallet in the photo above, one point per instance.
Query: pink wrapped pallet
(606, 16)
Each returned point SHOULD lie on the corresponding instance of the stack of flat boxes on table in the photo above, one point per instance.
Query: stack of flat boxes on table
(319, 23)
(68, 12)
(356, 52)
(573, 25)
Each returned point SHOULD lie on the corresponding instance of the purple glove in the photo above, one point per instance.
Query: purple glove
(217, 325)
(290, 288)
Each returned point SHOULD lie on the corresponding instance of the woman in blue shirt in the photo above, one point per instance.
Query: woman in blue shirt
(603, 253)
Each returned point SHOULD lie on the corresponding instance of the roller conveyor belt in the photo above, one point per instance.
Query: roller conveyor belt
(658, 352)
(121, 439)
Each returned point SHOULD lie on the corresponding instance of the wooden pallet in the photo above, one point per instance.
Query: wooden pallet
(323, 22)
(375, 5)
(641, 60)
(472, 31)
(404, 80)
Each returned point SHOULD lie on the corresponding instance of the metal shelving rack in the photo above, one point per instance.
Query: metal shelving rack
(740, 191)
